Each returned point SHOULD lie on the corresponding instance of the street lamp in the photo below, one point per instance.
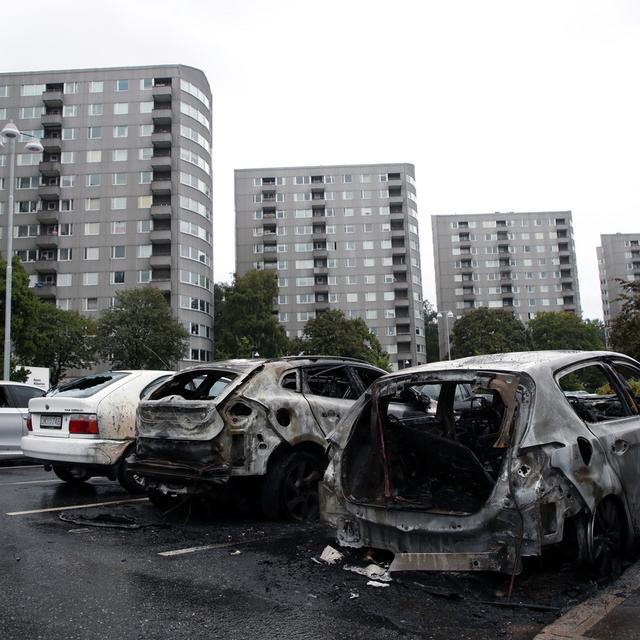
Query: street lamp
(448, 316)
(10, 132)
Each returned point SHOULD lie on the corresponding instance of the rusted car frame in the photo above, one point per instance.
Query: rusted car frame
(482, 488)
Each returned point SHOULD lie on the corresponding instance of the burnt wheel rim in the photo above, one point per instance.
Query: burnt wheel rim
(607, 539)
(300, 490)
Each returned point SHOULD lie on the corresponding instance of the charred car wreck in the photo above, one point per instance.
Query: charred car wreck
(246, 426)
(548, 451)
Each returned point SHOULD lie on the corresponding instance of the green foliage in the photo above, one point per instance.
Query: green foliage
(60, 340)
(243, 317)
(332, 334)
(24, 305)
(482, 331)
(430, 317)
(564, 330)
(625, 329)
(139, 332)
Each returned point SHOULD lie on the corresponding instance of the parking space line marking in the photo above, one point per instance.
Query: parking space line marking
(6, 484)
(75, 506)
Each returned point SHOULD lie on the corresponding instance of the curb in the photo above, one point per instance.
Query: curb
(580, 619)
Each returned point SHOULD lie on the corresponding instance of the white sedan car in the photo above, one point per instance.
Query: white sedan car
(87, 427)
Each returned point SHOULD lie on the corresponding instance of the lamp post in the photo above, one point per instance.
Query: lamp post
(10, 132)
(447, 316)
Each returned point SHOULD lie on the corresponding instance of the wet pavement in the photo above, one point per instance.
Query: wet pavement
(202, 573)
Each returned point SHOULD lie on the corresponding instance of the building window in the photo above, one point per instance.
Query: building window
(117, 277)
(119, 155)
(120, 108)
(96, 87)
(90, 279)
(94, 133)
(94, 180)
(119, 203)
(120, 131)
(94, 156)
(144, 276)
(122, 85)
(96, 109)
(144, 250)
(119, 179)
(91, 253)
(118, 252)
(118, 227)
(91, 229)
(92, 204)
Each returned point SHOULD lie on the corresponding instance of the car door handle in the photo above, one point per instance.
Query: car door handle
(620, 447)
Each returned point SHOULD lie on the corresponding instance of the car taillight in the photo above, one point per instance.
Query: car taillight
(29, 423)
(83, 423)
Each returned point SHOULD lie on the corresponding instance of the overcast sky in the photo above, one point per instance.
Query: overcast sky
(501, 105)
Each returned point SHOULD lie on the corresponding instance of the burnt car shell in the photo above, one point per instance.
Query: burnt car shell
(480, 488)
(237, 419)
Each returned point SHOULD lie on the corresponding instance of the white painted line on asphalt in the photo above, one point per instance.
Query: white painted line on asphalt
(75, 506)
(220, 545)
(577, 622)
(7, 484)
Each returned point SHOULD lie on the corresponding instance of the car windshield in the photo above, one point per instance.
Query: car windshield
(88, 386)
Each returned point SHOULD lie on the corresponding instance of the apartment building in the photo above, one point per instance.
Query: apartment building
(121, 195)
(524, 262)
(618, 259)
(338, 237)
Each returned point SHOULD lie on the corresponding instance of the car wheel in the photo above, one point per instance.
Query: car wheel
(129, 481)
(606, 539)
(72, 475)
(290, 488)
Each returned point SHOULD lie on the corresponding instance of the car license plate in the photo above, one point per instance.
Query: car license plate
(51, 422)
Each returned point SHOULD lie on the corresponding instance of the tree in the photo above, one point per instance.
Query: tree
(565, 330)
(483, 330)
(24, 306)
(139, 332)
(625, 328)
(430, 317)
(60, 340)
(332, 334)
(244, 322)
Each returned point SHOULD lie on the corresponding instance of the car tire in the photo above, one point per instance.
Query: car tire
(72, 475)
(290, 488)
(606, 539)
(128, 480)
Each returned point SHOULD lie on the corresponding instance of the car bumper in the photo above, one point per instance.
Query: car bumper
(82, 451)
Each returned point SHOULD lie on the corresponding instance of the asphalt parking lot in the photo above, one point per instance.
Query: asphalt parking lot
(95, 562)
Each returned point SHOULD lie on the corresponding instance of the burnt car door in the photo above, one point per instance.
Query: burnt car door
(330, 389)
(599, 399)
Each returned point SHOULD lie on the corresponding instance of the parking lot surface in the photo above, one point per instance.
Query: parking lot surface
(94, 562)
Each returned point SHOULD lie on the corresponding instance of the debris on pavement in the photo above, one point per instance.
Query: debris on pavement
(237, 552)
(331, 555)
(371, 571)
(106, 520)
(376, 583)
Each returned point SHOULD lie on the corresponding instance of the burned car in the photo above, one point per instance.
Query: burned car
(249, 426)
(547, 452)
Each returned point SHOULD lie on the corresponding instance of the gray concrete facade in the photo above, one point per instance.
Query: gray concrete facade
(121, 196)
(338, 237)
(618, 259)
(524, 262)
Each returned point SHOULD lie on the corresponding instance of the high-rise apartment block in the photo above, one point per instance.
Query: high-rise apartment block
(121, 195)
(618, 259)
(338, 237)
(524, 262)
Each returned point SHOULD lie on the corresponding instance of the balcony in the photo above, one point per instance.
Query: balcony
(47, 241)
(45, 291)
(160, 261)
(52, 98)
(47, 216)
(50, 169)
(52, 144)
(163, 285)
(160, 236)
(160, 211)
(161, 93)
(161, 187)
(51, 119)
(49, 192)
(161, 116)
(46, 266)
(161, 139)
(161, 163)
